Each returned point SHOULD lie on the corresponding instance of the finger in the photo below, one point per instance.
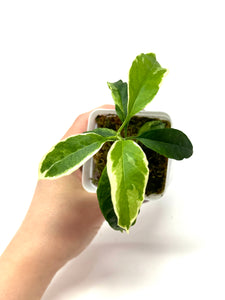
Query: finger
(81, 122)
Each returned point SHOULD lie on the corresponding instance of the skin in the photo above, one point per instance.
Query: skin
(60, 223)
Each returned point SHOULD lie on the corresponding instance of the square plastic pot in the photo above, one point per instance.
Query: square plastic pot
(87, 171)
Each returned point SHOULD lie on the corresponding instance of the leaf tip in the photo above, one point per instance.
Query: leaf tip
(165, 73)
(124, 228)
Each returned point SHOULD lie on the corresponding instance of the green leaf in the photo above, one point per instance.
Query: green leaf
(106, 132)
(169, 142)
(156, 124)
(145, 77)
(119, 94)
(127, 169)
(68, 155)
(105, 201)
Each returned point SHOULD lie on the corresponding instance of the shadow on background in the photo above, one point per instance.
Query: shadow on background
(117, 262)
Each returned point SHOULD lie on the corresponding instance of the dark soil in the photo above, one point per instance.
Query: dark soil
(157, 163)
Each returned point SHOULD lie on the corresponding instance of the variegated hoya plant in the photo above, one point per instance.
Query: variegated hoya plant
(121, 188)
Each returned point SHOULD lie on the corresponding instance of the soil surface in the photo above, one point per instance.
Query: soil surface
(157, 163)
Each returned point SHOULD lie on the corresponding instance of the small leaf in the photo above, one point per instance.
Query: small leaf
(157, 124)
(144, 78)
(68, 155)
(105, 201)
(106, 132)
(169, 142)
(119, 94)
(127, 169)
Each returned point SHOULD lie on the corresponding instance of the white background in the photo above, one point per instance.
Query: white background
(55, 60)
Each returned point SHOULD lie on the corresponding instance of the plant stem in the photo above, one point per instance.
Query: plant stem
(112, 138)
(123, 125)
(119, 137)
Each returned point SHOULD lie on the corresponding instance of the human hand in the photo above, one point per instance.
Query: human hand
(70, 216)
(61, 221)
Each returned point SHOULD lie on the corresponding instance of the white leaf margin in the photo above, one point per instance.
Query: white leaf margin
(114, 183)
(74, 168)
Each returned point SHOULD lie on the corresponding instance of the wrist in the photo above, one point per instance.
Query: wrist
(26, 267)
(35, 244)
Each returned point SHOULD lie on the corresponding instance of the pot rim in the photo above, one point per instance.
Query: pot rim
(87, 169)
